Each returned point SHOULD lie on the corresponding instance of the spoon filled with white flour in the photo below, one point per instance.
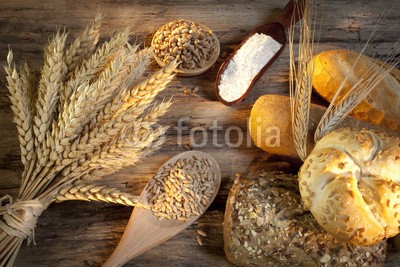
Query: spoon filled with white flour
(246, 64)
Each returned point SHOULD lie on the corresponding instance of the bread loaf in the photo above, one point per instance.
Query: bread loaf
(266, 225)
(351, 184)
(381, 106)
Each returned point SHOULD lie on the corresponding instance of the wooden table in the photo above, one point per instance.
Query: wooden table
(80, 234)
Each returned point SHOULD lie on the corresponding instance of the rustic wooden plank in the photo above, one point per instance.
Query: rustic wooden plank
(69, 234)
(88, 242)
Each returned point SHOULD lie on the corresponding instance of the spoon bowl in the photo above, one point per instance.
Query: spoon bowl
(145, 231)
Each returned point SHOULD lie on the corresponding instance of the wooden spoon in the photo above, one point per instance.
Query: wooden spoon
(276, 30)
(145, 231)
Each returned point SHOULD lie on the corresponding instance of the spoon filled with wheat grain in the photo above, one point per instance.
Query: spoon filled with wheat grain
(179, 193)
(254, 55)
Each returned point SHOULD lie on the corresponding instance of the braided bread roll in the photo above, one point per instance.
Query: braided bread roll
(351, 184)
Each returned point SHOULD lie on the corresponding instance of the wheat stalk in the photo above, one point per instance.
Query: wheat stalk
(301, 76)
(90, 192)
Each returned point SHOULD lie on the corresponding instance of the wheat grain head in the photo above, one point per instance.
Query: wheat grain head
(84, 45)
(92, 192)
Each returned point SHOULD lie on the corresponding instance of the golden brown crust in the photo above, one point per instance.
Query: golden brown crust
(380, 107)
(351, 184)
(265, 225)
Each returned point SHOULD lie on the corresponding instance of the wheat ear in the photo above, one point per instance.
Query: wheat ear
(49, 87)
(301, 76)
(141, 60)
(84, 45)
(91, 67)
(98, 193)
(133, 144)
(144, 93)
(18, 86)
(117, 155)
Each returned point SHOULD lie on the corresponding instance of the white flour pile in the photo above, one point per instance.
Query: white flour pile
(245, 65)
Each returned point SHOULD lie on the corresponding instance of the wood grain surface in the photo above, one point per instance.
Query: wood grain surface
(85, 234)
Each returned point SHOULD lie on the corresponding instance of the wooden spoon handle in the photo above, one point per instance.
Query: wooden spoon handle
(292, 13)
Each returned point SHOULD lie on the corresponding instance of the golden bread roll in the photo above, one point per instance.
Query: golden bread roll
(351, 184)
(381, 106)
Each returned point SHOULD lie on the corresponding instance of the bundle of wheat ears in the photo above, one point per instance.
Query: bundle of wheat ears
(89, 114)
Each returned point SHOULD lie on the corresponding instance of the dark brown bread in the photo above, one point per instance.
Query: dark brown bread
(266, 225)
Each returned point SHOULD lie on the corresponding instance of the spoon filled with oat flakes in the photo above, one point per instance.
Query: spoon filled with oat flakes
(179, 193)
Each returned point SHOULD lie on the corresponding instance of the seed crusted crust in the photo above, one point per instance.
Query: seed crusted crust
(266, 225)
(351, 184)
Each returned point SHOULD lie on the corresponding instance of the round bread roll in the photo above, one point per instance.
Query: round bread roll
(351, 184)
(266, 225)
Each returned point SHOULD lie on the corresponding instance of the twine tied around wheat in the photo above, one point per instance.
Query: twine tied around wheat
(20, 217)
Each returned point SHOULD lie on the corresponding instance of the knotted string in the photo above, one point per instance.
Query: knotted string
(20, 218)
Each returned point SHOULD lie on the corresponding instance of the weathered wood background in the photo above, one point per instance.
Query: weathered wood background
(85, 234)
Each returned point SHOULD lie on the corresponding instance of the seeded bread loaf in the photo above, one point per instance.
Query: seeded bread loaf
(266, 225)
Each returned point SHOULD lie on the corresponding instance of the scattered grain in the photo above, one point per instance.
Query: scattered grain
(199, 241)
(201, 232)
